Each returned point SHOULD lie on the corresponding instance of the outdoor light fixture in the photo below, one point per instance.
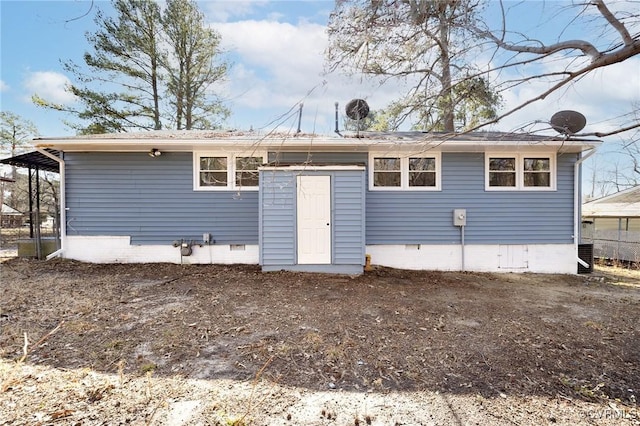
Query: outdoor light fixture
(155, 153)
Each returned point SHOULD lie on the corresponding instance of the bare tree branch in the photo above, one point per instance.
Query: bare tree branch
(615, 23)
(626, 49)
(614, 132)
(585, 47)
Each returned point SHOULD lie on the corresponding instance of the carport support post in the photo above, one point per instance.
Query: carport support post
(38, 239)
(30, 202)
(37, 216)
(38, 190)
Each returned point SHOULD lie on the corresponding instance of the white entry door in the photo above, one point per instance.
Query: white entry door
(314, 219)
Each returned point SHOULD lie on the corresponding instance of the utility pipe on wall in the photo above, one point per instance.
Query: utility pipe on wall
(462, 243)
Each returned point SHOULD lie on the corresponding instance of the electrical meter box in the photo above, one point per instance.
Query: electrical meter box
(460, 217)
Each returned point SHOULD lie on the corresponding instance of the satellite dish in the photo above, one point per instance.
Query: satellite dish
(357, 109)
(568, 122)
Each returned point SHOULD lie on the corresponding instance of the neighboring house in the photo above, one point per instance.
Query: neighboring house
(480, 202)
(612, 224)
(10, 218)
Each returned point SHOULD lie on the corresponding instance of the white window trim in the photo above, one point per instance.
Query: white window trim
(231, 170)
(520, 171)
(404, 171)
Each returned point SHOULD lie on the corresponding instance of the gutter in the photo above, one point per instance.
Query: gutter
(577, 203)
(63, 211)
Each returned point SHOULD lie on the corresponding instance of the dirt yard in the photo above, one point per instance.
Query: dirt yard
(160, 344)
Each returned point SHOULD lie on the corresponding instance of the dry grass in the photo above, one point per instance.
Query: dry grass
(169, 344)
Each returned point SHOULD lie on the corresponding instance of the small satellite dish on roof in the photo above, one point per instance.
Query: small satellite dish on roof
(568, 122)
(357, 109)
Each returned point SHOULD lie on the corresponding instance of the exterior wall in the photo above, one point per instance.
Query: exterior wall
(278, 216)
(101, 249)
(493, 217)
(348, 204)
(538, 258)
(152, 200)
(130, 207)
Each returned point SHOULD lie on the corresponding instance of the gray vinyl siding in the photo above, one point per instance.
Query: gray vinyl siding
(493, 217)
(279, 215)
(277, 218)
(152, 200)
(348, 217)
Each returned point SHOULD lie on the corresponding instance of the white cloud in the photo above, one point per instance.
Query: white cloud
(279, 65)
(50, 86)
(3, 86)
(277, 47)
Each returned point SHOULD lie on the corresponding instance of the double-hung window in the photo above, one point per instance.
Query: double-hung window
(215, 172)
(412, 172)
(526, 172)
(246, 171)
(387, 172)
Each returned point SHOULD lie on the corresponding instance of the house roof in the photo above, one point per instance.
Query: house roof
(8, 210)
(34, 160)
(621, 204)
(362, 142)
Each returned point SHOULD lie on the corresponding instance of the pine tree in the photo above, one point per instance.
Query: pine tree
(147, 71)
(193, 69)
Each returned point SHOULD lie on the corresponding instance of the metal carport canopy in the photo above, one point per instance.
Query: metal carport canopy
(35, 160)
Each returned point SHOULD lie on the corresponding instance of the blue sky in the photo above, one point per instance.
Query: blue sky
(276, 48)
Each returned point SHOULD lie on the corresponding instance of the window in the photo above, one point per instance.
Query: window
(247, 171)
(404, 173)
(519, 172)
(537, 172)
(502, 172)
(422, 171)
(215, 171)
(386, 172)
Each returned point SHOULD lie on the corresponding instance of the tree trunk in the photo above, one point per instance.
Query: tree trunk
(156, 95)
(447, 90)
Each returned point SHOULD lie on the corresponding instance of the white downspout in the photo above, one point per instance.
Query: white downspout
(576, 204)
(63, 211)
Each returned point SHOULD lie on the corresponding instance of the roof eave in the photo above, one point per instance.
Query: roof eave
(313, 144)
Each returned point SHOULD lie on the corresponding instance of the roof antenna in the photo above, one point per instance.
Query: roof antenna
(337, 130)
(357, 109)
(568, 122)
(299, 118)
